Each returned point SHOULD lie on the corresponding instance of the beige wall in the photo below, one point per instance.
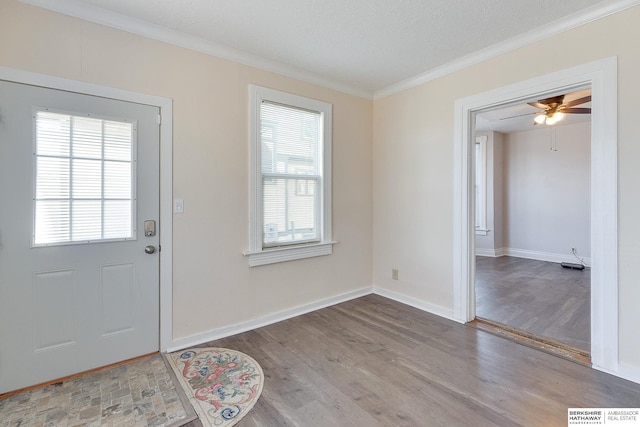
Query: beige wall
(213, 285)
(413, 165)
(412, 171)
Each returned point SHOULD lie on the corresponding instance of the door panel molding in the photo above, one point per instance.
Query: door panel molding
(166, 170)
(54, 326)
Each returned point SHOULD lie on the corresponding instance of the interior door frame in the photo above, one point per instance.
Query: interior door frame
(166, 171)
(601, 76)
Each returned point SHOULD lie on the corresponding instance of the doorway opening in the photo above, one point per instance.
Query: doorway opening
(532, 216)
(601, 77)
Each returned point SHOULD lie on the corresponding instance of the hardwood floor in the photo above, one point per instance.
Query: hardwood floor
(375, 362)
(538, 297)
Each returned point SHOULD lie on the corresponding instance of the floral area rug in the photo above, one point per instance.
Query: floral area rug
(222, 384)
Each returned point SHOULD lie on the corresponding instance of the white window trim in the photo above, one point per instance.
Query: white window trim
(256, 254)
(481, 177)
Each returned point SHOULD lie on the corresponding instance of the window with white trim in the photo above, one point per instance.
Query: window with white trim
(83, 178)
(480, 156)
(290, 205)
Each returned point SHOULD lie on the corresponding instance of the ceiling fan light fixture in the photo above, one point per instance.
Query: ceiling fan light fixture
(558, 115)
(554, 109)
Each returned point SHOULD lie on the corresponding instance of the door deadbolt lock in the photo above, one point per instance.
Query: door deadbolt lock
(149, 228)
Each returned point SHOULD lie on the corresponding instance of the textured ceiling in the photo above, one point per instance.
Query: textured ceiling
(364, 45)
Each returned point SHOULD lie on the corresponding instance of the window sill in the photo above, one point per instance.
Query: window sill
(272, 256)
(481, 232)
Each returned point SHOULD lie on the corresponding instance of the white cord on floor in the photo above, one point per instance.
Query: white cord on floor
(573, 251)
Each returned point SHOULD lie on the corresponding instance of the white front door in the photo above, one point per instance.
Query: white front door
(79, 176)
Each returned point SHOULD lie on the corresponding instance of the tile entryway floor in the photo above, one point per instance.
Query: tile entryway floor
(139, 393)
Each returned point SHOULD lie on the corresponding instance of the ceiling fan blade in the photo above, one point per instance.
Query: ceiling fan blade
(538, 105)
(519, 115)
(557, 100)
(578, 101)
(577, 110)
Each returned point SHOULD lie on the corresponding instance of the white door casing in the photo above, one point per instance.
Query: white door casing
(601, 76)
(43, 295)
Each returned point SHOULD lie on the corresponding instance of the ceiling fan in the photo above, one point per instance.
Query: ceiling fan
(555, 109)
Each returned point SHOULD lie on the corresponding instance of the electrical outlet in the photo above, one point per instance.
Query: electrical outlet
(394, 273)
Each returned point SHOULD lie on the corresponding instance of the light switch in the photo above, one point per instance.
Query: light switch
(178, 206)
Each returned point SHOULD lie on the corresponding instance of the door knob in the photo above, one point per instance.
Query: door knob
(149, 249)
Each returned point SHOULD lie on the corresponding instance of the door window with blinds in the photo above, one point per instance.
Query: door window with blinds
(291, 176)
(84, 169)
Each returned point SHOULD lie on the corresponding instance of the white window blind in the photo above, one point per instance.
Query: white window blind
(290, 177)
(290, 141)
(84, 169)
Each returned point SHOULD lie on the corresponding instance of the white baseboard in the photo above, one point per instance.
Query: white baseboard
(627, 372)
(489, 252)
(523, 253)
(226, 331)
(630, 373)
(413, 302)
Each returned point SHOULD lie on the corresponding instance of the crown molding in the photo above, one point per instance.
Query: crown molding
(98, 15)
(95, 14)
(530, 37)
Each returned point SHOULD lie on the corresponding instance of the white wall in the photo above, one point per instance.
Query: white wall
(213, 287)
(413, 166)
(547, 201)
